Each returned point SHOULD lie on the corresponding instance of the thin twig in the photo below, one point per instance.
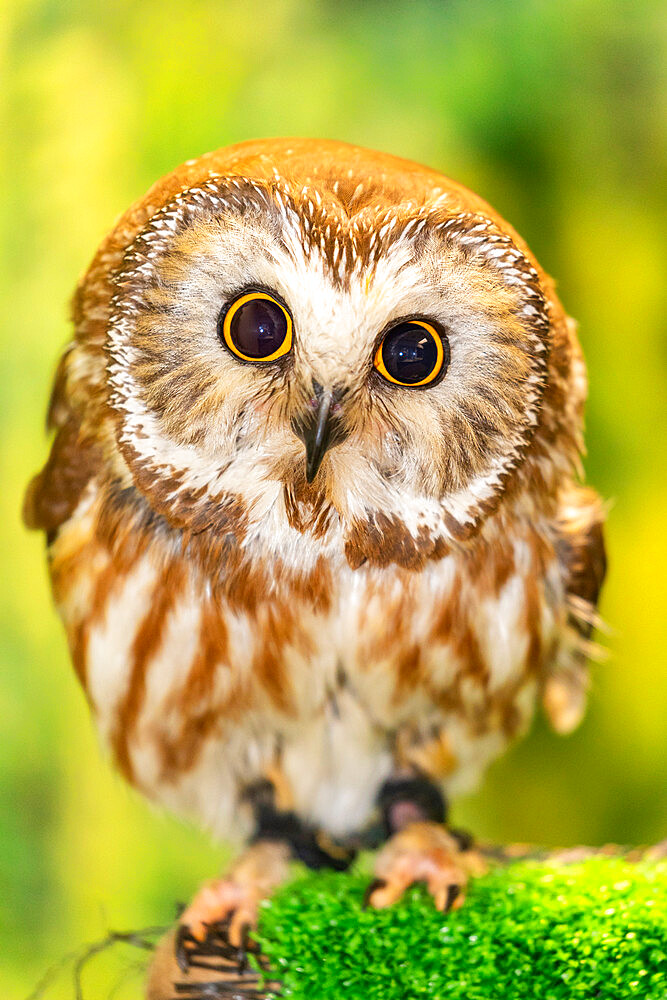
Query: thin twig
(81, 956)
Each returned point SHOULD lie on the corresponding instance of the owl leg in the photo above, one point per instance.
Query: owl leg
(420, 848)
(409, 798)
(413, 797)
(230, 904)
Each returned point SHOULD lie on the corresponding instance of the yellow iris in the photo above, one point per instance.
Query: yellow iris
(240, 326)
(380, 364)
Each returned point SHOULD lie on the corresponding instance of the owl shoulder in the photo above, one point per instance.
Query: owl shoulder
(75, 458)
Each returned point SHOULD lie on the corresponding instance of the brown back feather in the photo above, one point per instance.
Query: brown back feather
(54, 493)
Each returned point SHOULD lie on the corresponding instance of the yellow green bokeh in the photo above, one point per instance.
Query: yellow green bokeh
(556, 113)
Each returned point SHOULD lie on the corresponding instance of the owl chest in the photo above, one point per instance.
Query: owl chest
(196, 688)
(401, 643)
(417, 647)
(433, 669)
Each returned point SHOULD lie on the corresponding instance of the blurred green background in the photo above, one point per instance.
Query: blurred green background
(556, 113)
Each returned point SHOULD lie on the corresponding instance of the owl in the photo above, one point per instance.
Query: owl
(314, 511)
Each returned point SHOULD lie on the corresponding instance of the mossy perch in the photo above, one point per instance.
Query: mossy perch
(554, 929)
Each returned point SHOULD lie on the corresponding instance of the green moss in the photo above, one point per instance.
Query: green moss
(592, 930)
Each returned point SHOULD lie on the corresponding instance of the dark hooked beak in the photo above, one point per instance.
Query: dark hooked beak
(320, 428)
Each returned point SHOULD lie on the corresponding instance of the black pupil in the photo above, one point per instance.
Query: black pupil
(409, 353)
(258, 328)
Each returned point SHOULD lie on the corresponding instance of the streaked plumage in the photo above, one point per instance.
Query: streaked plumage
(230, 620)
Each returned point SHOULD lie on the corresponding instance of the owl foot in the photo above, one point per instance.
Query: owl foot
(423, 852)
(214, 970)
(229, 905)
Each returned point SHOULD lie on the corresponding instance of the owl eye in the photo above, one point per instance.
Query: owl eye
(413, 354)
(256, 327)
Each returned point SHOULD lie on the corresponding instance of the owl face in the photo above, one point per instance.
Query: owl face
(309, 348)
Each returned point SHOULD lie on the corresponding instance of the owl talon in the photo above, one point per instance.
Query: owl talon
(244, 948)
(376, 883)
(183, 937)
(453, 893)
(224, 936)
(423, 852)
(228, 906)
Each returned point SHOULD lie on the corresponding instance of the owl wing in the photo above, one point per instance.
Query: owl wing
(54, 493)
(581, 553)
(582, 560)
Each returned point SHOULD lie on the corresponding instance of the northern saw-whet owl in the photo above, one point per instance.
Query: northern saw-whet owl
(313, 509)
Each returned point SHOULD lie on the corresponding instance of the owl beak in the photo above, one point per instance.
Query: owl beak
(320, 428)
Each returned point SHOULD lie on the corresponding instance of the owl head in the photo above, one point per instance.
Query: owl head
(305, 337)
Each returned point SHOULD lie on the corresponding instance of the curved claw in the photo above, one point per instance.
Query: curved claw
(244, 947)
(376, 883)
(183, 935)
(453, 892)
